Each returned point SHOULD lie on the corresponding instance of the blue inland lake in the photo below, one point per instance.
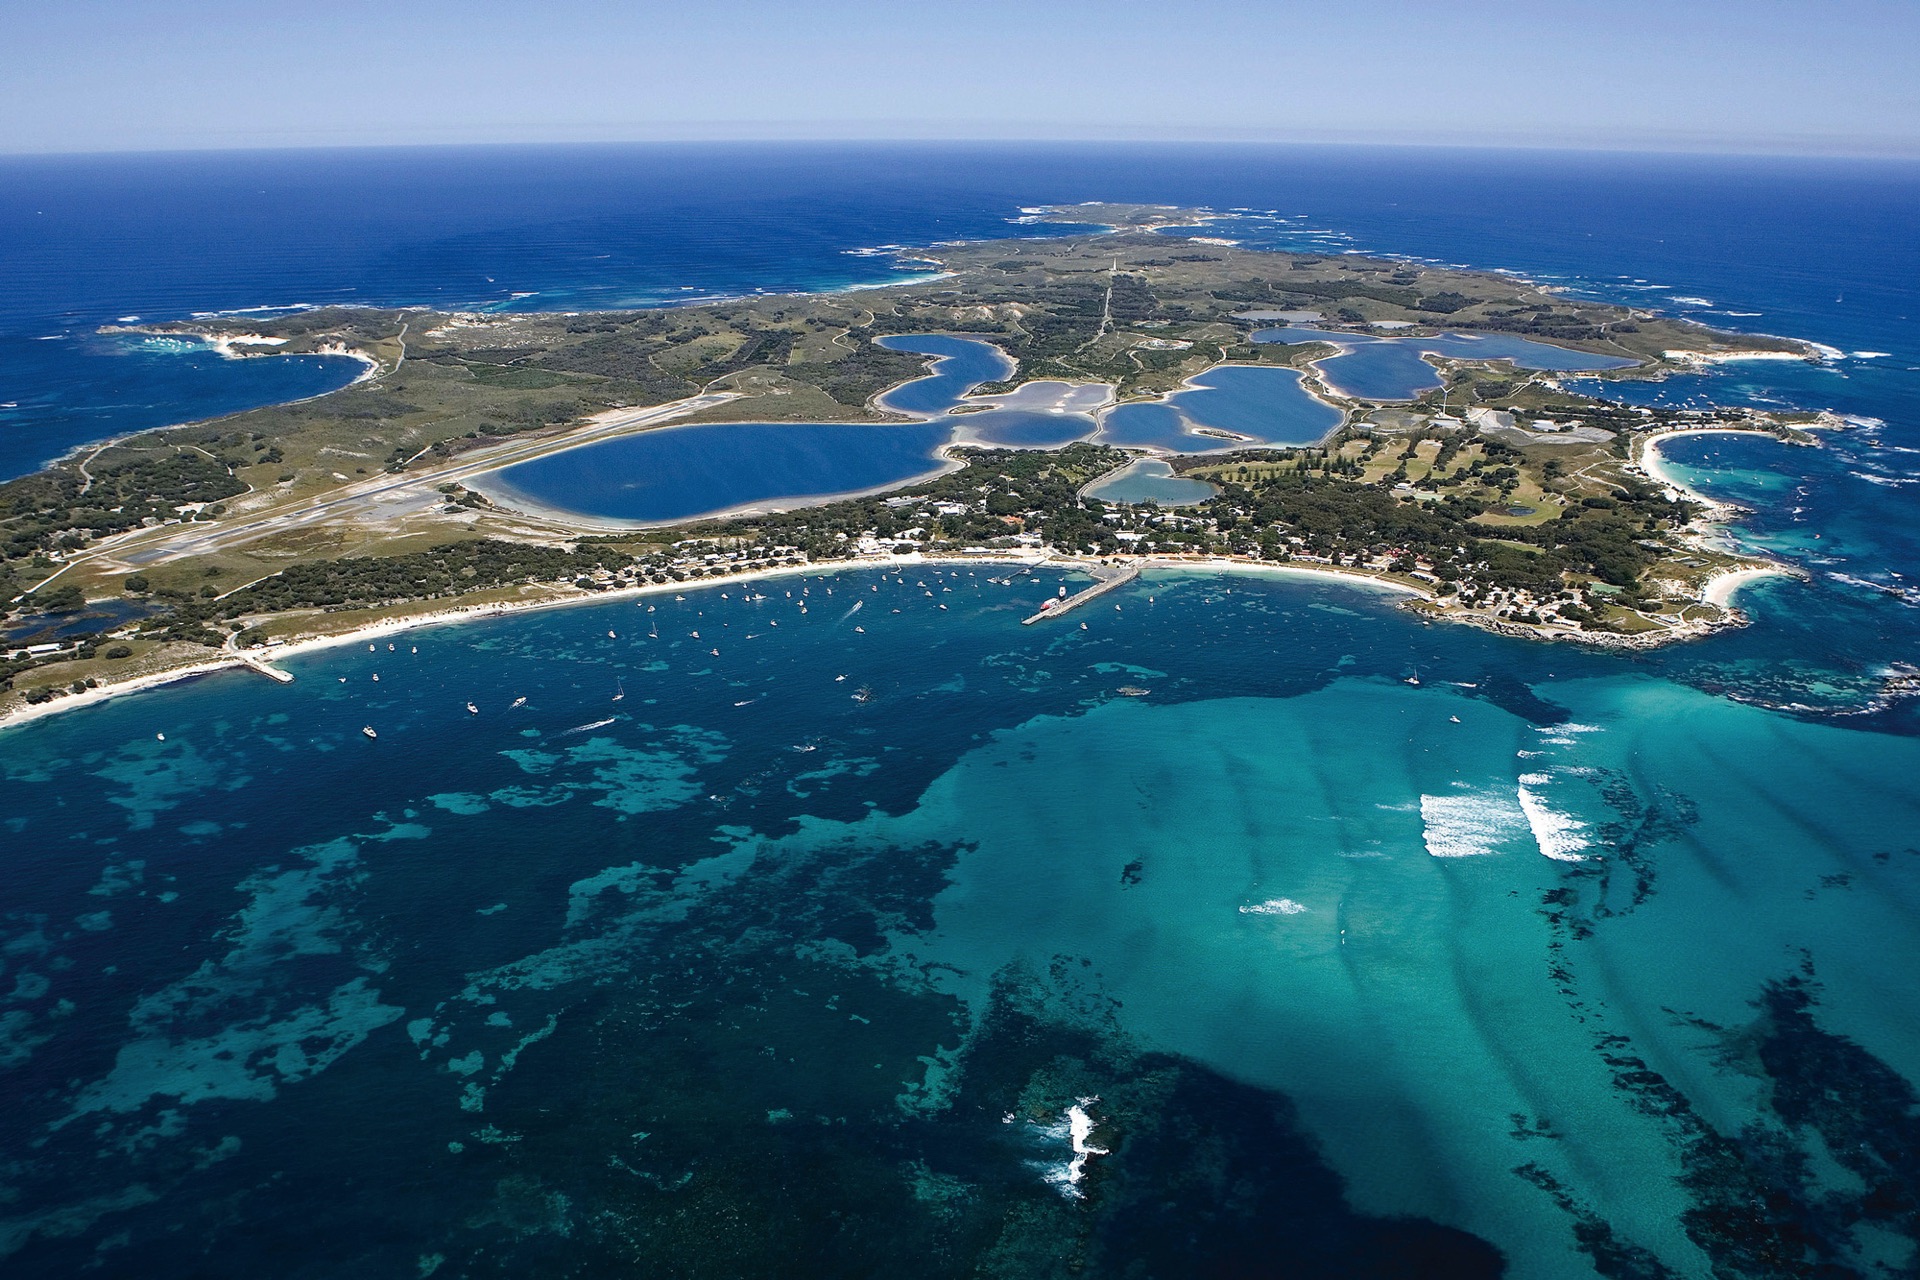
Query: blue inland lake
(1387, 368)
(677, 473)
(1150, 480)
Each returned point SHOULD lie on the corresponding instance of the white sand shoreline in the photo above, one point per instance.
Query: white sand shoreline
(1656, 467)
(1720, 588)
(386, 628)
(1718, 591)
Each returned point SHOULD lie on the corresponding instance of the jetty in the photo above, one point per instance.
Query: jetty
(254, 660)
(270, 672)
(1110, 577)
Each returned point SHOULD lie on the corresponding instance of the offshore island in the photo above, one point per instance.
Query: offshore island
(1153, 394)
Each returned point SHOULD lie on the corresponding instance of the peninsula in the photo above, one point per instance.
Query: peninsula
(1497, 498)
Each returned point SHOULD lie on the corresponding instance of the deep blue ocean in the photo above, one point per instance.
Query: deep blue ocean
(1370, 948)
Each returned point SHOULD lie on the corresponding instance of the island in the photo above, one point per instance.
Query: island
(1496, 496)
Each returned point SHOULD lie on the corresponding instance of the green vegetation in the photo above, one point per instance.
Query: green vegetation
(453, 569)
(62, 509)
(202, 529)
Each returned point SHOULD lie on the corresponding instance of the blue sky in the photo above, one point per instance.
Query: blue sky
(1841, 76)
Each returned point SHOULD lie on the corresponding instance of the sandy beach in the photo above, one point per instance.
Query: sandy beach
(387, 628)
(1656, 467)
(1718, 592)
(1720, 589)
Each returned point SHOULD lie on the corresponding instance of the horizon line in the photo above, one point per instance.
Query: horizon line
(1802, 147)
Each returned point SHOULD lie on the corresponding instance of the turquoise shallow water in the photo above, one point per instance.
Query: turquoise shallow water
(1526, 914)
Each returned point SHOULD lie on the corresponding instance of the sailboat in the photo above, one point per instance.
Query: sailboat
(620, 689)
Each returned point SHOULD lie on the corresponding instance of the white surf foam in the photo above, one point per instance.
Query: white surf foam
(1557, 834)
(1274, 907)
(1471, 824)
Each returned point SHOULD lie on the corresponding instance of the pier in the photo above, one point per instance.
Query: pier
(270, 672)
(1111, 576)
